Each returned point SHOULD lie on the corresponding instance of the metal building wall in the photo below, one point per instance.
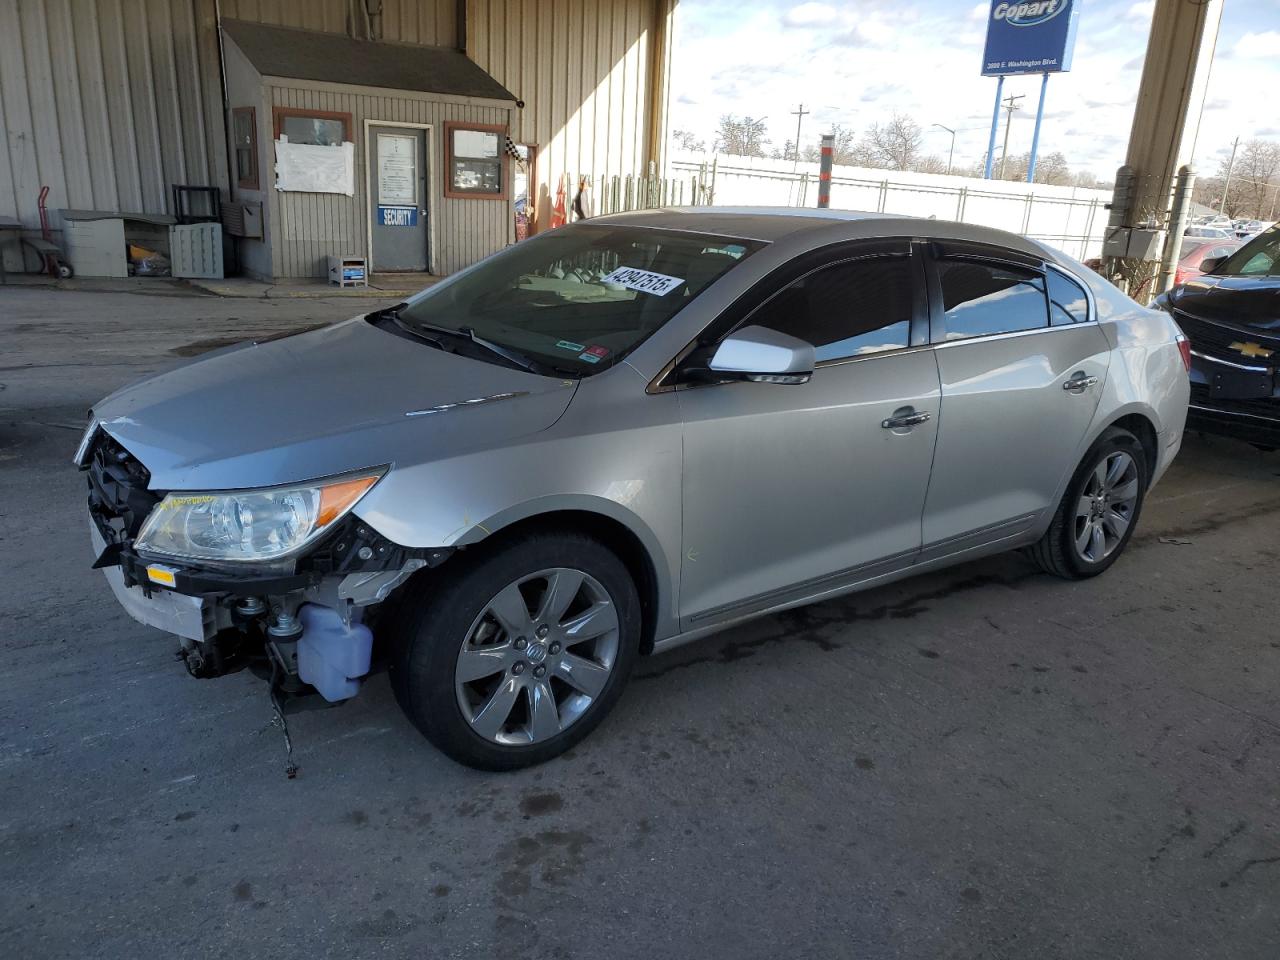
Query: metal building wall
(108, 102)
(306, 227)
(584, 69)
(432, 22)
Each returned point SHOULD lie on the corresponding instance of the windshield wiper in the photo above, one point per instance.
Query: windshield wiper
(423, 331)
(513, 357)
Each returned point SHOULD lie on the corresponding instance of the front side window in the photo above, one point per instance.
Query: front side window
(579, 298)
(984, 299)
(849, 309)
(1067, 301)
(1260, 257)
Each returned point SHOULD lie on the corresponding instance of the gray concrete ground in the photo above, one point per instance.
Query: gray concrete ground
(983, 763)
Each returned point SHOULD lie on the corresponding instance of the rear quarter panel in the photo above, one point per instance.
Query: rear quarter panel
(1147, 374)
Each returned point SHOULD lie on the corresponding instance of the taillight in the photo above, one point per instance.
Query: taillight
(1184, 348)
(1179, 277)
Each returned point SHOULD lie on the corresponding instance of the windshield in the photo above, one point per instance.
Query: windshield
(578, 299)
(1260, 257)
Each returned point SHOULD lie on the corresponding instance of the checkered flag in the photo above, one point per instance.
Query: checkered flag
(514, 152)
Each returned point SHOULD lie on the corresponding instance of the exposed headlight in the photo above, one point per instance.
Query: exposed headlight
(250, 525)
(82, 451)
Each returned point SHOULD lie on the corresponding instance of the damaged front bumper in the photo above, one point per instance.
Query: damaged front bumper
(298, 623)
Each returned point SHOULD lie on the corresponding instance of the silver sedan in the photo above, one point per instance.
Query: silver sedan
(617, 437)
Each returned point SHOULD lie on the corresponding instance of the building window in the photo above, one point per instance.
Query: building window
(476, 161)
(320, 127)
(244, 131)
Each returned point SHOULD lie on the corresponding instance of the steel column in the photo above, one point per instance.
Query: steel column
(995, 126)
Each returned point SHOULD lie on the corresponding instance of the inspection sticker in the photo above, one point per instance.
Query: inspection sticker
(570, 345)
(658, 284)
(593, 354)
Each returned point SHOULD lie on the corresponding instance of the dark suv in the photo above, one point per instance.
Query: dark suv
(1231, 315)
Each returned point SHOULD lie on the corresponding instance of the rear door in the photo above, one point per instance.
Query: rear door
(790, 490)
(1022, 365)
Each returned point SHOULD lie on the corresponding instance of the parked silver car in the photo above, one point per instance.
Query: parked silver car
(619, 436)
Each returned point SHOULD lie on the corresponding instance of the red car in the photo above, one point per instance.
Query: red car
(1193, 252)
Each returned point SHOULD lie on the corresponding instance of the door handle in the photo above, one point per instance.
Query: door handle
(905, 420)
(1079, 384)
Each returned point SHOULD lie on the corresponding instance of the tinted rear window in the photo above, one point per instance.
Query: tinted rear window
(983, 299)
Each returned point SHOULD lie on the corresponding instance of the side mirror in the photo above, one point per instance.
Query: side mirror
(764, 356)
(1211, 264)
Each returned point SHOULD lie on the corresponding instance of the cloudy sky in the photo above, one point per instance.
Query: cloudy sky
(855, 62)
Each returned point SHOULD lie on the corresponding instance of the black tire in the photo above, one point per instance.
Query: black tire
(64, 271)
(434, 628)
(1056, 551)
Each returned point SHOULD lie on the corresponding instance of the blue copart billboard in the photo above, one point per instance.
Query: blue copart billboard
(1030, 37)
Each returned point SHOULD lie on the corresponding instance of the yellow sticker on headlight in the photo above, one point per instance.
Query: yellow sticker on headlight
(165, 576)
(178, 501)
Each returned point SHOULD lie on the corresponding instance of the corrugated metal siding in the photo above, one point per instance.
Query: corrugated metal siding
(329, 15)
(108, 102)
(306, 227)
(431, 22)
(583, 69)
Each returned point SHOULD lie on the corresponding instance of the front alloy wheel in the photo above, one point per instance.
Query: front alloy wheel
(513, 653)
(537, 656)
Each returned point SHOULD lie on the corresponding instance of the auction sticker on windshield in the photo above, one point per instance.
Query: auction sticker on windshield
(658, 284)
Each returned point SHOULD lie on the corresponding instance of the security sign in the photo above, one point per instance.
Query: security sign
(398, 216)
(1030, 37)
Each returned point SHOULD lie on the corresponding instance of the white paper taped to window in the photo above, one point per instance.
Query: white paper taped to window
(309, 168)
(646, 281)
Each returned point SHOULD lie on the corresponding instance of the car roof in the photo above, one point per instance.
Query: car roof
(775, 223)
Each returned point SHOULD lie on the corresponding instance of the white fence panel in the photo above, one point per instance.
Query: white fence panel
(1070, 218)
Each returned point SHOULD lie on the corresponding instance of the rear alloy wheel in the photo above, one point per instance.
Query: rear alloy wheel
(1099, 510)
(514, 657)
(1105, 509)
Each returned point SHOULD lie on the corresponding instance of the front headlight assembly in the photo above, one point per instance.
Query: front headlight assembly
(250, 525)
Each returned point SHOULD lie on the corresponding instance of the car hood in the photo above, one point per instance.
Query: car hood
(321, 403)
(1237, 301)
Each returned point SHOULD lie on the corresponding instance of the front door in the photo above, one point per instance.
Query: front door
(793, 490)
(398, 196)
(1022, 369)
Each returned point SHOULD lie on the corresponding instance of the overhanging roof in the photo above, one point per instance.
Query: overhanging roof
(335, 58)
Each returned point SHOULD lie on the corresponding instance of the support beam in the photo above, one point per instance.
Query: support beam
(1178, 32)
(658, 94)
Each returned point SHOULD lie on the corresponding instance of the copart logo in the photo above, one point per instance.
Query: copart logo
(1028, 14)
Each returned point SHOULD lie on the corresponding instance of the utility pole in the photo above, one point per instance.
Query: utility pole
(799, 115)
(1227, 186)
(952, 152)
(1011, 104)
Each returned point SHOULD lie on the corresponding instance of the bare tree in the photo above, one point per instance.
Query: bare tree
(1255, 182)
(688, 140)
(1051, 168)
(896, 145)
(745, 137)
(1255, 177)
(844, 152)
